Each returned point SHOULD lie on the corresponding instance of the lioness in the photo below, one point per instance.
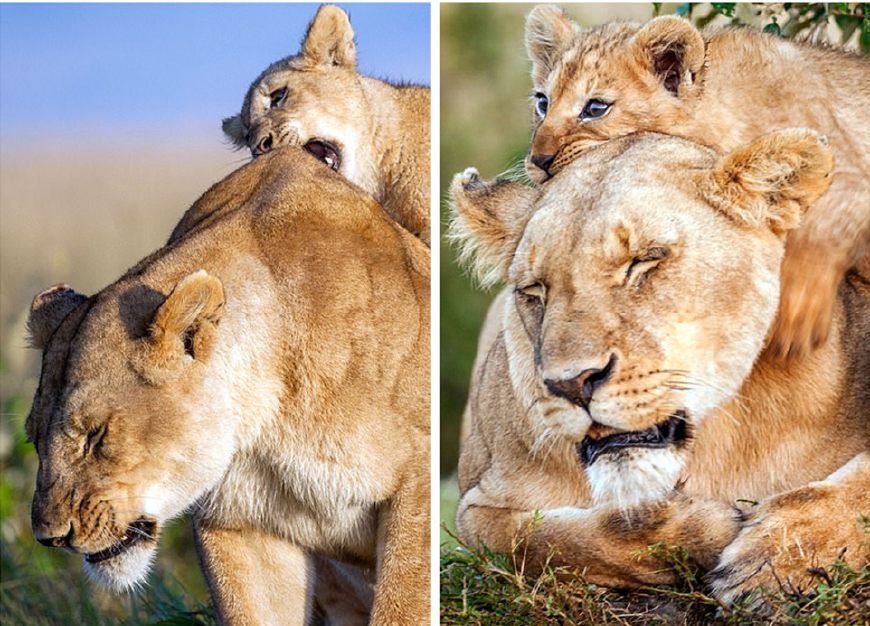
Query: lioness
(269, 368)
(626, 398)
(372, 132)
(721, 88)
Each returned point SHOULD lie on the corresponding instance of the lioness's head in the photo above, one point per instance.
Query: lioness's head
(595, 84)
(312, 99)
(645, 278)
(123, 419)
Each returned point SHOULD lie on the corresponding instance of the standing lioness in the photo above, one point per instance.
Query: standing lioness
(269, 367)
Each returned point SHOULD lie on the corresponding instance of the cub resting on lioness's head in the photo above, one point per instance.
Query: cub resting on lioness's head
(373, 133)
(721, 88)
(624, 398)
(268, 367)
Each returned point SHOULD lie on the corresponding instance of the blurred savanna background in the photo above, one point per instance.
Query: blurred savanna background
(486, 116)
(109, 129)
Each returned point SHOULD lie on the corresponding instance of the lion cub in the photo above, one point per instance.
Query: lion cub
(721, 88)
(373, 133)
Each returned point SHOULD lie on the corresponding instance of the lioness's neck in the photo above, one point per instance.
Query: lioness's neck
(790, 424)
(400, 140)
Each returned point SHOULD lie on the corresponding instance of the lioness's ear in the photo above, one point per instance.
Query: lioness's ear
(773, 180)
(487, 222)
(184, 325)
(549, 32)
(235, 130)
(48, 310)
(671, 48)
(329, 40)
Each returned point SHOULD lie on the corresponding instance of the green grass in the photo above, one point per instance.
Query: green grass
(480, 587)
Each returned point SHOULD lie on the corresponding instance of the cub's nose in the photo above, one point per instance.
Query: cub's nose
(579, 390)
(543, 161)
(53, 538)
(263, 146)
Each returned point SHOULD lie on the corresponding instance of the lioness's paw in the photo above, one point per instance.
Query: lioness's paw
(785, 539)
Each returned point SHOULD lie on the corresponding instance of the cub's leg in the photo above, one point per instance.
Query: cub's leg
(834, 236)
(402, 589)
(255, 578)
(792, 532)
(607, 545)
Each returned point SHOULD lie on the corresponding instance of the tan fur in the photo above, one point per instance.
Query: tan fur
(269, 367)
(687, 330)
(382, 130)
(728, 86)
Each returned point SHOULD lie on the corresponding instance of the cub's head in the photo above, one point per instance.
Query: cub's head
(312, 99)
(124, 418)
(595, 84)
(644, 283)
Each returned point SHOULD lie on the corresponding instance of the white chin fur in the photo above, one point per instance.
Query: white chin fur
(125, 572)
(634, 476)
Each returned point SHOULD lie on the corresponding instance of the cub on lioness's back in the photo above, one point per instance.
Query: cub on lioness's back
(721, 88)
(374, 133)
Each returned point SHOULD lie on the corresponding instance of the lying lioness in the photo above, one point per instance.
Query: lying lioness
(269, 367)
(626, 398)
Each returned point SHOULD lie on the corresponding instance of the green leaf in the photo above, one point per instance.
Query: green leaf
(657, 9)
(773, 28)
(725, 8)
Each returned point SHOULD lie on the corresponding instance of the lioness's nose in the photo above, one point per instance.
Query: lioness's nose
(62, 539)
(264, 145)
(543, 161)
(579, 389)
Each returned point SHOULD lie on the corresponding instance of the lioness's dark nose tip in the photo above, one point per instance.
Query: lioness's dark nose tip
(56, 540)
(543, 161)
(579, 390)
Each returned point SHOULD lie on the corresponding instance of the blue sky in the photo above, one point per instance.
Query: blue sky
(67, 68)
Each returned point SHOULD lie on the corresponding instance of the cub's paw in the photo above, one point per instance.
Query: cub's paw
(468, 179)
(786, 539)
(808, 292)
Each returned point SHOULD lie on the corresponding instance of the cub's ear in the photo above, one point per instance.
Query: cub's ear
(772, 181)
(549, 32)
(329, 40)
(672, 49)
(48, 310)
(487, 222)
(235, 130)
(185, 325)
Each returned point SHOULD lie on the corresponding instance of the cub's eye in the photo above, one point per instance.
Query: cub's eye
(533, 292)
(277, 97)
(541, 104)
(640, 265)
(94, 439)
(594, 109)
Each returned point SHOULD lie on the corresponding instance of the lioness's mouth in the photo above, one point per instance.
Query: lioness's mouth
(671, 431)
(137, 532)
(325, 152)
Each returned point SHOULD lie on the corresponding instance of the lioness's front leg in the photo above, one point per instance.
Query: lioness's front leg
(805, 528)
(607, 545)
(402, 589)
(255, 578)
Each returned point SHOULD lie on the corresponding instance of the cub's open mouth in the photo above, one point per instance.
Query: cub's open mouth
(671, 431)
(324, 151)
(137, 532)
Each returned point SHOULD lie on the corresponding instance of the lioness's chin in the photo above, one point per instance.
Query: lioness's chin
(633, 476)
(125, 571)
